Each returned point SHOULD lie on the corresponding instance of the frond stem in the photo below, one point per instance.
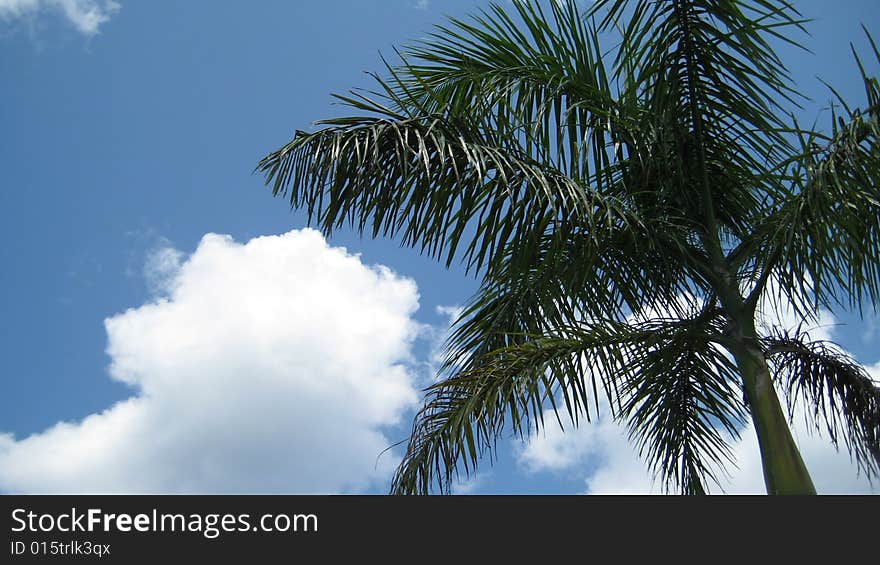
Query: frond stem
(710, 238)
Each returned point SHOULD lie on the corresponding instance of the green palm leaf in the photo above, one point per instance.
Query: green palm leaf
(834, 391)
(428, 180)
(667, 370)
(830, 227)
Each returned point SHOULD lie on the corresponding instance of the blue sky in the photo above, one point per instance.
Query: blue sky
(129, 132)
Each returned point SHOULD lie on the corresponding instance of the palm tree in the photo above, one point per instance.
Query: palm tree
(627, 220)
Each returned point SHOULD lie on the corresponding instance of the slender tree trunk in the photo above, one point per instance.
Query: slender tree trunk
(784, 469)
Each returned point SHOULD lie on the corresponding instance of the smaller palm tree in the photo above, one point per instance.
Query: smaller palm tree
(626, 220)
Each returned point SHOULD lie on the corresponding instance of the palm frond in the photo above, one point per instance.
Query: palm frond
(509, 388)
(829, 229)
(835, 391)
(506, 128)
(428, 180)
(619, 273)
(683, 407)
(463, 416)
(533, 76)
(712, 84)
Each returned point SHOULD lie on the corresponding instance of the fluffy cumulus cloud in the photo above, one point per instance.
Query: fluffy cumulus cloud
(87, 16)
(601, 453)
(269, 366)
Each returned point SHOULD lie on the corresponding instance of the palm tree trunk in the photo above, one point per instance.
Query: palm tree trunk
(784, 469)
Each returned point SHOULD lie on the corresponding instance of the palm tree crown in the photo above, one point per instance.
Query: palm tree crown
(627, 215)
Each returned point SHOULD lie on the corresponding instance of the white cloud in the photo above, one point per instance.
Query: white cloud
(598, 449)
(161, 268)
(437, 335)
(270, 366)
(601, 452)
(471, 484)
(422, 4)
(87, 16)
(871, 327)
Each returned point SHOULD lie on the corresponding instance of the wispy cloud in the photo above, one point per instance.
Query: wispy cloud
(86, 16)
(161, 268)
